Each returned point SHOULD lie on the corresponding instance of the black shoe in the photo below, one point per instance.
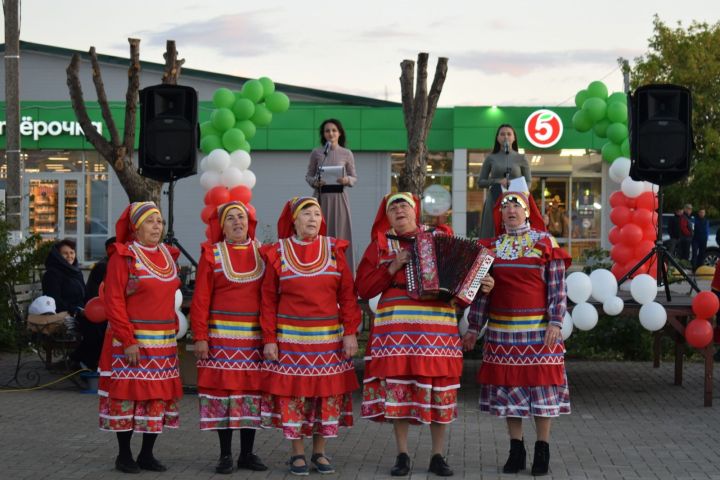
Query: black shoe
(126, 466)
(300, 470)
(402, 466)
(152, 464)
(224, 465)
(517, 457)
(541, 459)
(251, 462)
(439, 466)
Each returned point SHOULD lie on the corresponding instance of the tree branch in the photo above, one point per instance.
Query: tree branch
(131, 97)
(440, 74)
(407, 78)
(78, 103)
(420, 101)
(172, 64)
(102, 98)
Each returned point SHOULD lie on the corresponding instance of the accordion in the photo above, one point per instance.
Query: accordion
(446, 267)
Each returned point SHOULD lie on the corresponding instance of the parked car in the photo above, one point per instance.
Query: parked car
(712, 252)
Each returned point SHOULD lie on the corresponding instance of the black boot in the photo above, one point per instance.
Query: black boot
(541, 459)
(516, 459)
(439, 466)
(402, 466)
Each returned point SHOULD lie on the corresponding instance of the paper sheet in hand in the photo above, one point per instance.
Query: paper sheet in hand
(331, 173)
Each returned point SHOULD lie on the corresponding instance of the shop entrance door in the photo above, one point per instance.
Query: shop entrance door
(55, 208)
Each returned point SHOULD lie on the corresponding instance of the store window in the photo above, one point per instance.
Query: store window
(438, 172)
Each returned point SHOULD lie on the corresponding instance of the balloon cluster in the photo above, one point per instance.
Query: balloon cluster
(699, 332)
(633, 214)
(602, 286)
(607, 116)
(643, 290)
(237, 115)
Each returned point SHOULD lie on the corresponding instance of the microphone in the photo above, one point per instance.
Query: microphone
(506, 147)
(327, 148)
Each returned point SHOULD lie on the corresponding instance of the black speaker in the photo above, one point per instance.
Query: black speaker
(168, 132)
(661, 139)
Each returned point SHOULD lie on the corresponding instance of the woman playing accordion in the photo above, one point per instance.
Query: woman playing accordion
(414, 353)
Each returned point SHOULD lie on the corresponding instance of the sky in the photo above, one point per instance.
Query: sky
(500, 53)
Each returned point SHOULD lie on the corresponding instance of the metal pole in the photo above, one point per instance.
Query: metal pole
(13, 194)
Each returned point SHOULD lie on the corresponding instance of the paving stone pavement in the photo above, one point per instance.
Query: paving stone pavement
(628, 422)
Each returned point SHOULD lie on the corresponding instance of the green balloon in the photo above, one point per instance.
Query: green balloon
(277, 102)
(610, 151)
(581, 121)
(268, 86)
(247, 127)
(597, 89)
(580, 98)
(243, 109)
(617, 112)
(595, 108)
(617, 97)
(206, 128)
(625, 148)
(617, 133)
(253, 90)
(233, 139)
(600, 128)
(223, 98)
(222, 119)
(210, 143)
(246, 146)
(262, 116)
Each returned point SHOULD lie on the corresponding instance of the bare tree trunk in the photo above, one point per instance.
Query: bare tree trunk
(13, 194)
(120, 154)
(418, 111)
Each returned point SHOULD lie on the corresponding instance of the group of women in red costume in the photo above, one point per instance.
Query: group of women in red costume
(275, 329)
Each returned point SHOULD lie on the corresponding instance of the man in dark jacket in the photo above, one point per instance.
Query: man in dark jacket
(674, 232)
(701, 229)
(686, 233)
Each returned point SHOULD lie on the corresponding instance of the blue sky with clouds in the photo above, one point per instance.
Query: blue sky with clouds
(512, 53)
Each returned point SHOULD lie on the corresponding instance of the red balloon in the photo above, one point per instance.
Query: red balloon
(619, 270)
(620, 215)
(241, 193)
(631, 202)
(217, 196)
(647, 200)
(699, 333)
(95, 310)
(705, 305)
(101, 291)
(617, 199)
(631, 234)
(643, 247)
(206, 213)
(649, 233)
(642, 217)
(621, 253)
(614, 235)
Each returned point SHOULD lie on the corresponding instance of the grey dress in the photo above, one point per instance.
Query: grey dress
(493, 170)
(335, 205)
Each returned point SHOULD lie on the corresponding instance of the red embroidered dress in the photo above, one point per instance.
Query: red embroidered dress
(414, 353)
(140, 287)
(225, 312)
(308, 304)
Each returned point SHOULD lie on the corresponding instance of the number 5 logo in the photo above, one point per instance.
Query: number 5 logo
(543, 128)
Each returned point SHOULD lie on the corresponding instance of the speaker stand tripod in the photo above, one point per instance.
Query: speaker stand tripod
(663, 256)
(170, 236)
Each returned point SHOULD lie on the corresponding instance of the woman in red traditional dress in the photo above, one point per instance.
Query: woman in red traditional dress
(225, 316)
(414, 354)
(139, 377)
(523, 371)
(309, 319)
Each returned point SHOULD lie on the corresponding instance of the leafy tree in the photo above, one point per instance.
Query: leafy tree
(690, 57)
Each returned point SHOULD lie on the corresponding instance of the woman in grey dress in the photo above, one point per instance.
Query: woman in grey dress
(333, 198)
(501, 166)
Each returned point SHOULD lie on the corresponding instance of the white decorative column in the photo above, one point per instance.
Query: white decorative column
(459, 191)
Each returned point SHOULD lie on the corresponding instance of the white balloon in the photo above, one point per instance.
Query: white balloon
(604, 284)
(584, 316)
(579, 287)
(178, 299)
(240, 159)
(620, 169)
(209, 179)
(643, 289)
(567, 326)
(182, 325)
(232, 177)
(373, 303)
(631, 188)
(650, 187)
(464, 324)
(204, 164)
(613, 306)
(218, 160)
(249, 179)
(653, 316)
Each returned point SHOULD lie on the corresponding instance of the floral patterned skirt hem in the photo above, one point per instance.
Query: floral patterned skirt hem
(300, 417)
(419, 400)
(525, 401)
(230, 411)
(143, 416)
